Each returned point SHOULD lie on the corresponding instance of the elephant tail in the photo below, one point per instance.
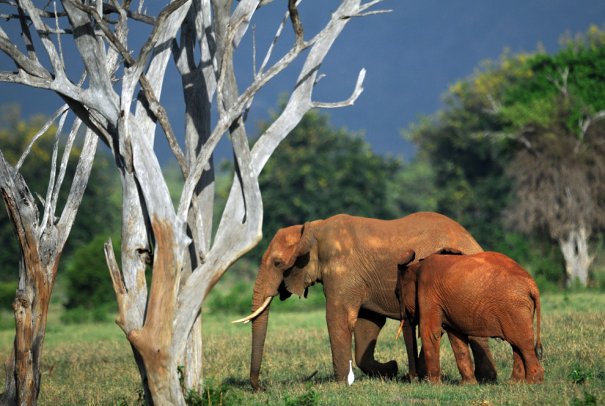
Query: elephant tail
(535, 295)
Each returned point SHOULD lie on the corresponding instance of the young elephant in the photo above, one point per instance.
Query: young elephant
(484, 295)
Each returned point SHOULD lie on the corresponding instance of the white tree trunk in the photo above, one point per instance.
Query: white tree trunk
(574, 248)
(162, 323)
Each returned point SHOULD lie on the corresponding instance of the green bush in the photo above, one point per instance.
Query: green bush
(541, 258)
(7, 295)
(309, 398)
(98, 314)
(88, 284)
(238, 300)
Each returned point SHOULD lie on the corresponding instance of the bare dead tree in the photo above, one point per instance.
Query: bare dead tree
(123, 106)
(41, 239)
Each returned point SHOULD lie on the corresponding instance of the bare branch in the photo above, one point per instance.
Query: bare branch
(156, 31)
(144, 18)
(118, 284)
(153, 103)
(275, 39)
(78, 186)
(49, 208)
(561, 83)
(586, 122)
(296, 24)
(32, 67)
(26, 35)
(43, 30)
(351, 100)
(66, 154)
(58, 31)
(62, 110)
(94, 59)
(370, 13)
(361, 12)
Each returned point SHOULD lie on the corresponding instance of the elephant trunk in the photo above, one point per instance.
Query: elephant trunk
(259, 331)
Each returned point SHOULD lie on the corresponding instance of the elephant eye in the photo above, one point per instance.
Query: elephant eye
(278, 263)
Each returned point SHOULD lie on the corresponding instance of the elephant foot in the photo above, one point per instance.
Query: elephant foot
(468, 381)
(514, 380)
(535, 375)
(255, 383)
(485, 368)
(387, 370)
(486, 375)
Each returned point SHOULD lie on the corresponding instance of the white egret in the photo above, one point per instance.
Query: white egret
(351, 376)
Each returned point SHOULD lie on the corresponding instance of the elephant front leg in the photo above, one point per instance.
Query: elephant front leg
(411, 347)
(366, 331)
(341, 322)
(430, 333)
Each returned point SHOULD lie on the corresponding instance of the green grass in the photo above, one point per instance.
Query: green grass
(91, 364)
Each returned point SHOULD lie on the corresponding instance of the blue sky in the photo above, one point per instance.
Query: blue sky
(411, 55)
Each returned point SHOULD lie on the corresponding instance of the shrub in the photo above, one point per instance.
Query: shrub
(7, 295)
(88, 284)
(100, 313)
(238, 300)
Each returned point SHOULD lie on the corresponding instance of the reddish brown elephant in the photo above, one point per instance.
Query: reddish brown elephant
(483, 295)
(355, 259)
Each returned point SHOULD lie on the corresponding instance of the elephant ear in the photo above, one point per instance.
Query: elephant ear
(294, 280)
(297, 266)
(406, 257)
(304, 245)
(405, 271)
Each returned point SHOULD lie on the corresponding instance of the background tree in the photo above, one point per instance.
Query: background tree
(468, 166)
(319, 171)
(557, 113)
(122, 107)
(525, 133)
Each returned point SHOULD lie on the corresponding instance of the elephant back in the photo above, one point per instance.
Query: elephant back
(429, 232)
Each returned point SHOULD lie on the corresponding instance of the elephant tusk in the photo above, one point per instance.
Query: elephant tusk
(399, 330)
(256, 313)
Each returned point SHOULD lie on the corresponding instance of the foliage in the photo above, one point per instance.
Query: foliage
(412, 188)
(309, 398)
(319, 171)
(212, 394)
(541, 258)
(7, 295)
(88, 285)
(298, 344)
(559, 175)
(469, 166)
(587, 400)
(236, 298)
(99, 211)
(519, 146)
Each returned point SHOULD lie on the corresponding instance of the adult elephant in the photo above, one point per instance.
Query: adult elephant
(355, 259)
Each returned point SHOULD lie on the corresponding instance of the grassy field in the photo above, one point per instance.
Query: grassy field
(91, 364)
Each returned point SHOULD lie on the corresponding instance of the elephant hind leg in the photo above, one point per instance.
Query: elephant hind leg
(534, 373)
(518, 373)
(366, 333)
(459, 343)
(485, 367)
